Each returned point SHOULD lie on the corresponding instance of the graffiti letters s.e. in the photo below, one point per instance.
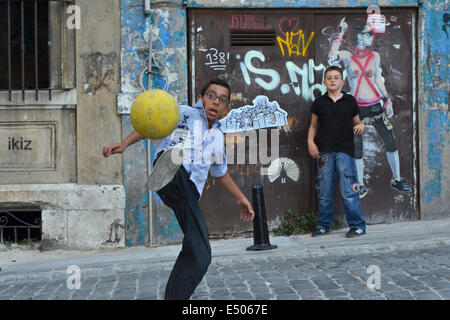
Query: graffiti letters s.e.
(247, 66)
(262, 114)
(302, 79)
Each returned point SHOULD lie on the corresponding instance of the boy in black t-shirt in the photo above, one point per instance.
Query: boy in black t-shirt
(335, 119)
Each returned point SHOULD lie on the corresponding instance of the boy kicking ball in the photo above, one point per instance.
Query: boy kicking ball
(180, 182)
(334, 121)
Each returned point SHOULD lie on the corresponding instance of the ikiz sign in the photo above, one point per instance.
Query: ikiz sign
(16, 144)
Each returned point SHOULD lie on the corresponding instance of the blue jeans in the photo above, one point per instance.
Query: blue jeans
(344, 166)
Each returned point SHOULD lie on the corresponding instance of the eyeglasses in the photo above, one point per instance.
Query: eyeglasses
(212, 95)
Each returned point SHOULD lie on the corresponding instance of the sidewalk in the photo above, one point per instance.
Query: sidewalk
(379, 238)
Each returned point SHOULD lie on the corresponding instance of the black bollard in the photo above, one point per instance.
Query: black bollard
(260, 230)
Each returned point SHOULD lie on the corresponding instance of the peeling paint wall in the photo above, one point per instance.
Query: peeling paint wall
(133, 26)
(434, 89)
(167, 26)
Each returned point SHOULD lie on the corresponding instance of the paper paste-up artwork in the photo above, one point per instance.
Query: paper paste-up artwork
(262, 114)
(283, 168)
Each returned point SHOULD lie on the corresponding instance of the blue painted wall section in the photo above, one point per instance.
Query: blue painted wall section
(168, 28)
(434, 64)
(137, 202)
(135, 167)
(437, 124)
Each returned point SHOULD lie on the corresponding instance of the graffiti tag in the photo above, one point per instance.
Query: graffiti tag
(302, 79)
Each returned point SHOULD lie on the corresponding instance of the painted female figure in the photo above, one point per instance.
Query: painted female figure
(363, 72)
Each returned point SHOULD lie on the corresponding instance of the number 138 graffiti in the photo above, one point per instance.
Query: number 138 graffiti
(217, 60)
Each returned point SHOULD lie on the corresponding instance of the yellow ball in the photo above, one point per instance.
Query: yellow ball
(155, 114)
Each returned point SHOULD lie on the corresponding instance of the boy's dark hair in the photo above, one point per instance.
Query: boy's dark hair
(335, 68)
(218, 82)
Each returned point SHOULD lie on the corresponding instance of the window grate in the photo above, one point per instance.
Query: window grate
(28, 54)
(253, 37)
(21, 225)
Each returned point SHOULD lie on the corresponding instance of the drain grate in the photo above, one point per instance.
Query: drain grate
(20, 225)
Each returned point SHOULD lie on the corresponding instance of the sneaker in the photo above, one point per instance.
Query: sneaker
(165, 168)
(400, 185)
(319, 232)
(362, 191)
(355, 232)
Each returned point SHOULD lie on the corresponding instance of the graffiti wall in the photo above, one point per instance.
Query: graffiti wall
(282, 55)
(378, 67)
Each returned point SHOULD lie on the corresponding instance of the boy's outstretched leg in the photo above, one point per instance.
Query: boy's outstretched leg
(191, 265)
(195, 256)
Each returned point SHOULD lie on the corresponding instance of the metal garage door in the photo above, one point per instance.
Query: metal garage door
(281, 55)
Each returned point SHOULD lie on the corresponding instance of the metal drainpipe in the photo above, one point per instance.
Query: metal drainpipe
(147, 14)
(149, 142)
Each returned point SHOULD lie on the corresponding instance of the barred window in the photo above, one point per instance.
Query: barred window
(36, 49)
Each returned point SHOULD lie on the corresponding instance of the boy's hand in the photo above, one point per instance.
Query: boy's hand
(112, 149)
(359, 128)
(247, 213)
(313, 150)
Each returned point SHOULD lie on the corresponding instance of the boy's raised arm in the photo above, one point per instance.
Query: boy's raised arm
(114, 148)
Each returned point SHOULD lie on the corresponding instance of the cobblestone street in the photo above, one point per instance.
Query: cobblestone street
(300, 269)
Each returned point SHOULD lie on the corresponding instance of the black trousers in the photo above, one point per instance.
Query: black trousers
(182, 197)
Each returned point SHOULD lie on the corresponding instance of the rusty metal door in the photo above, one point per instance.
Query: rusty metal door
(259, 53)
(282, 54)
